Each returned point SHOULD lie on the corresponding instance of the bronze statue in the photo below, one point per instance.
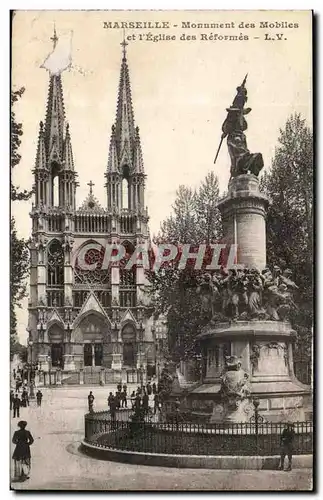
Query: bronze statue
(242, 161)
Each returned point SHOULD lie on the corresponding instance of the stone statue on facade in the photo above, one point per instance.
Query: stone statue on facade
(233, 128)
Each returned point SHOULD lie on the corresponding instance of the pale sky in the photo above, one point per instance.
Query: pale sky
(180, 90)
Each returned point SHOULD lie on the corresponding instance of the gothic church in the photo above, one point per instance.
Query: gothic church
(88, 326)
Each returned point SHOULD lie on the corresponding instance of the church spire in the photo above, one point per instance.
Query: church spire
(54, 151)
(55, 115)
(41, 162)
(68, 153)
(124, 150)
(124, 126)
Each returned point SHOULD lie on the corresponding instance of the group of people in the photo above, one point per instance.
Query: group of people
(138, 398)
(242, 293)
(18, 401)
(22, 438)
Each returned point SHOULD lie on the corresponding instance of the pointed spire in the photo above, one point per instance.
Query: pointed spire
(113, 155)
(138, 161)
(68, 153)
(55, 117)
(125, 146)
(41, 150)
(125, 119)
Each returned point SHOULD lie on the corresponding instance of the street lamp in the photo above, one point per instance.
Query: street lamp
(141, 370)
(31, 385)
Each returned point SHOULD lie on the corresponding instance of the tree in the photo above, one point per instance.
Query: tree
(209, 228)
(173, 291)
(19, 254)
(289, 185)
(180, 227)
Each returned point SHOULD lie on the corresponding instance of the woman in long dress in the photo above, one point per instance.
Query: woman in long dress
(21, 456)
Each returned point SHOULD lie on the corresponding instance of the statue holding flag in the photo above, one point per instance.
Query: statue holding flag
(242, 161)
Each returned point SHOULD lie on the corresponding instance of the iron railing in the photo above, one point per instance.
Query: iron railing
(193, 439)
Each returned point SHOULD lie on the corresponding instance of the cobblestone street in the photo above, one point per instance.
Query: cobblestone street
(57, 463)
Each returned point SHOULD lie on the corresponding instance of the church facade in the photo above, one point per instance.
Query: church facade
(88, 325)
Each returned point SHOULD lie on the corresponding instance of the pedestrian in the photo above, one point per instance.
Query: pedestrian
(154, 388)
(12, 397)
(16, 403)
(149, 389)
(113, 406)
(118, 399)
(22, 459)
(133, 399)
(110, 399)
(125, 388)
(124, 399)
(24, 398)
(90, 400)
(119, 387)
(286, 441)
(156, 403)
(137, 402)
(18, 384)
(39, 397)
(145, 402)
(14, 374)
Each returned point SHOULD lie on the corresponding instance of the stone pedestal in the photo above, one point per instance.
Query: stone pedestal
(265, 351)
(243, 213)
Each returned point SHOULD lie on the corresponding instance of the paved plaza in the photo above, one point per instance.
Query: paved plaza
(57, 463)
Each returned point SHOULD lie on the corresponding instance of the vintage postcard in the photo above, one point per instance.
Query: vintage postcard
(161, 250)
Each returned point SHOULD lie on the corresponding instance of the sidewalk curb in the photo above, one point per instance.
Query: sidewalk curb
(193, 461)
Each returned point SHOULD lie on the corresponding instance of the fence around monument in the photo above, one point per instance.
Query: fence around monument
(185, 438)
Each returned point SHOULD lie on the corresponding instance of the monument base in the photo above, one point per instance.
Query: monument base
(265, 351)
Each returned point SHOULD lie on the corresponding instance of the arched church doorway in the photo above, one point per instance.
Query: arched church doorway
(56, 335)
(94, 331)
(129, 345)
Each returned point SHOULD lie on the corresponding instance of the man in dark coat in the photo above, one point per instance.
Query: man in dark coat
(16, 403)
(137, 402)
(12, 396)
(156, 403)
(24, 398)
(286, 441)
(145, 402)
(90, 399)
(110, 400)
(113, 407)
(124, 399)
(39, 397)
(117, 399)
(154, 388)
